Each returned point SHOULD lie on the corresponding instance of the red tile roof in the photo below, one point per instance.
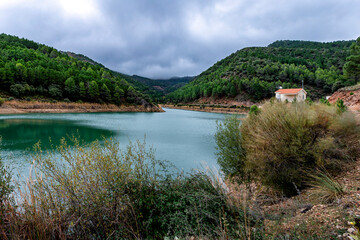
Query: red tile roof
(289, 91)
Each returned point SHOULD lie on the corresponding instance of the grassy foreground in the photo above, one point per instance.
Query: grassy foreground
(99, 192)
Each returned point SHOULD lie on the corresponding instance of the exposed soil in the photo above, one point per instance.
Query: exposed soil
(350, 96)
(20, 107)
(217, 109)
(305, 214)
(225, 102)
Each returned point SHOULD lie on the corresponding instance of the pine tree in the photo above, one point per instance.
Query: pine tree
(352, 65)
(70, 87)
(94, 91)
(105, 93)
(118, 94)
(82, 90)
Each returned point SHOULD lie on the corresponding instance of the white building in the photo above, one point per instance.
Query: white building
(290, 94)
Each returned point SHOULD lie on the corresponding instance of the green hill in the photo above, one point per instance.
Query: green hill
(160, 87)
(154, 89)
(255, 73)
(30, 69)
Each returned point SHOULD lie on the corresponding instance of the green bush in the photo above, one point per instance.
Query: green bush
(18, 90)
(323, 100)
(254, 109)
(230, 153)
(340, 106)
(55, 91)
(97, 191)
(285, 143)
(1, 101)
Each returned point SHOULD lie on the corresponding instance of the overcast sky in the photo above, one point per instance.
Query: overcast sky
(165, 38)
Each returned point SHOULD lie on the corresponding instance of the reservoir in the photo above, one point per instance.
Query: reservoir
(184, 138)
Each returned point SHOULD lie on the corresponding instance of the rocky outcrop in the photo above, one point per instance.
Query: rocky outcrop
(350, 96)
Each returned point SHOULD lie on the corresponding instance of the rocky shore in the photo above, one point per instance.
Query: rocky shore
(214, 109)
(21, 107)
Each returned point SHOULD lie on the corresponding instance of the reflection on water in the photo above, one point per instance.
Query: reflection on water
(22, 134)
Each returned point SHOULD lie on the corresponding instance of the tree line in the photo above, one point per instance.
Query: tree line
(30, 69)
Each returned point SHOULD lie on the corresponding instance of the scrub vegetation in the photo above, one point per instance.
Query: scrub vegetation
(97, 191)
(282, 144)
(298, 165)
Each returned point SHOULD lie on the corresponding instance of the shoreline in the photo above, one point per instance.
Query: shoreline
(23, 107)
(226, 110)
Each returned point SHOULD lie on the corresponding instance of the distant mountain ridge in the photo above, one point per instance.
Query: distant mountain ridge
(310, 44)
(83, 58)
(254, 73)
(166, 85)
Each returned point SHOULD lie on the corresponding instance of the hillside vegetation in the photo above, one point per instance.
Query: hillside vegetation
(158, 88)
(29, 69)
(255, 73)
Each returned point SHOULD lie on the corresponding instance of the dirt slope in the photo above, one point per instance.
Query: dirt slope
(350, 96)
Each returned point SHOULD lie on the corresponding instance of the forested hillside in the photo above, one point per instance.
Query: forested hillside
(29, 69)
(154, 89)
(158, 88)
(255, 73)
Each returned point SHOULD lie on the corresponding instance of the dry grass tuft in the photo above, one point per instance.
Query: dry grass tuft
(325, 189)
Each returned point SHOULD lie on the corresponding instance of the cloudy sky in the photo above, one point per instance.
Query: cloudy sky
(165, 38)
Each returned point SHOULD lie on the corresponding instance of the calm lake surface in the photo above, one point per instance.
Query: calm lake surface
(185, 138)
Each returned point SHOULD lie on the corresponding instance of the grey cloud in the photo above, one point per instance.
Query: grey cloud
(162, 38)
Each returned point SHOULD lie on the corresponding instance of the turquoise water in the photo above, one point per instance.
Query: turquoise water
(185, 138)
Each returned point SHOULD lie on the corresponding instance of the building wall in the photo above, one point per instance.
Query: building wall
(284, 97)
(300, 97)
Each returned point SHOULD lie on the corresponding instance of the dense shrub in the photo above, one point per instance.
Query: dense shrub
(18, 90)
(55, 91)
(100, 192)
(254, 109)
(1, 101)
(340, 106)
(285, 143)
(230, 153)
